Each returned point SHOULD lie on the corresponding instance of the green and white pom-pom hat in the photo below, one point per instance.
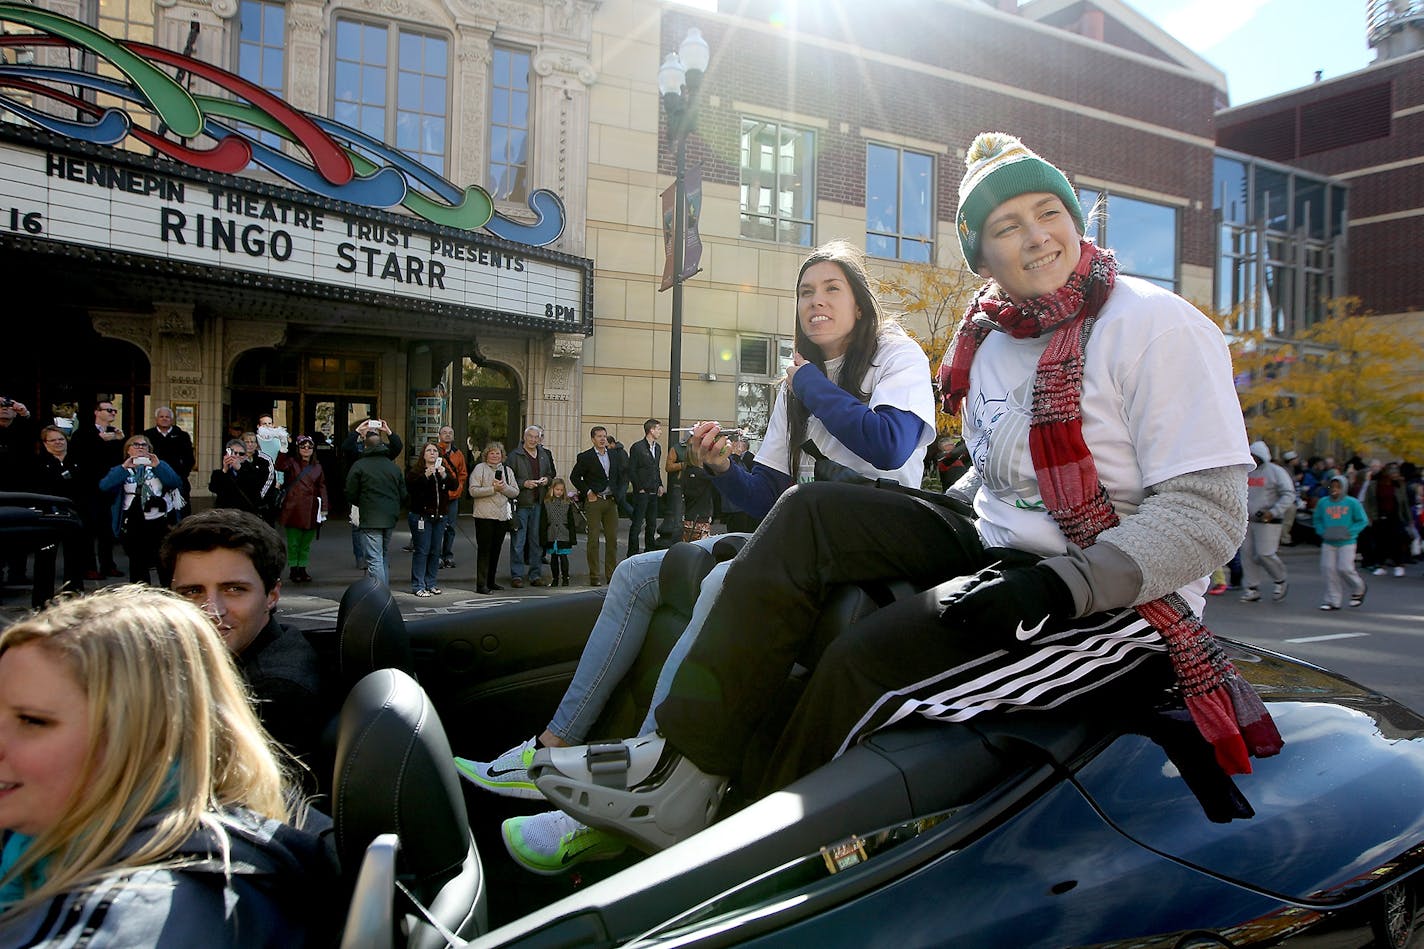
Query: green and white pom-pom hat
(999, 167)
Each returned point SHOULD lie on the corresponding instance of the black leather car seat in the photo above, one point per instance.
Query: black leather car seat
(395, 775)
(370, 632)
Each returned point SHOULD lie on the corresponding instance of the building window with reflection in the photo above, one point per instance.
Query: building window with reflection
(1143, 235)
(262, 53)
(761, 362)
(778, 182)
(393, 84)
(509, 125)
(122, 20)
(899, 204)
(1280, 234)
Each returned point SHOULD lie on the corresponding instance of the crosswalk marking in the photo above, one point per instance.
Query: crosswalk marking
(1321, 639)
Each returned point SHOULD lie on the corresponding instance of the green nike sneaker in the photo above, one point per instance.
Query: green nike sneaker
(507, 775)
(553, 842)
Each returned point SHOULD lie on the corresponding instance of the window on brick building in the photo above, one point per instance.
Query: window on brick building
(761, 362)
(778, 182)
(261, 53)
(899, 203)
(1143, 235)
(393, 84)
(509, 125)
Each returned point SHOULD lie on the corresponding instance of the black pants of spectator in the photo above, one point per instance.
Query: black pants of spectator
(98, 520)
(489, 541)
(645, 517)
(815, 537)
(141, 541)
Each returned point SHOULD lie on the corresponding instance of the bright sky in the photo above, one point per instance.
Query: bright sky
(1267, 47)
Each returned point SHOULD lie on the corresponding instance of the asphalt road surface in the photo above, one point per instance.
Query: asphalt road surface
(1380, 645)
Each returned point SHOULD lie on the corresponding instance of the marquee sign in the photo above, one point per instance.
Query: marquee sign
(107, 200)
(215, 133)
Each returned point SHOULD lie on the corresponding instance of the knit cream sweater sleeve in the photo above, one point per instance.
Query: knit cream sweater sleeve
(1186, 527)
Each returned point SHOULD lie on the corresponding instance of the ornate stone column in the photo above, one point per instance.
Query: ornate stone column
(560, 154)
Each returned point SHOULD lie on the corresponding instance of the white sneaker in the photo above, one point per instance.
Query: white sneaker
(507, 775)
(1378, 571)
(1399, 571)
(553, 842)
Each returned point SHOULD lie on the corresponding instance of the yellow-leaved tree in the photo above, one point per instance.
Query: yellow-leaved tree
(1351, 379)
(932, 300)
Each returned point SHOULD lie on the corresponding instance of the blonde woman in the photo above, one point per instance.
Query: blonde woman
(492, 485)
(141, 803)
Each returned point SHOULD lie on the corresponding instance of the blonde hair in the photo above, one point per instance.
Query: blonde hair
(549, 491)
(171, 730)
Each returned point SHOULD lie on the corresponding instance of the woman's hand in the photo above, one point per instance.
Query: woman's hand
(797, 361)
(708, 447)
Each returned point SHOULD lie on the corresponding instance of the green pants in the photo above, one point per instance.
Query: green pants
(299, 546)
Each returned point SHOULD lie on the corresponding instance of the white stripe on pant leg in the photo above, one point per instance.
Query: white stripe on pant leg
(1134, 633)
(964, 708)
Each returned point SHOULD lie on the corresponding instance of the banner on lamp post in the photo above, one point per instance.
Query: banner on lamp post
(692, 252)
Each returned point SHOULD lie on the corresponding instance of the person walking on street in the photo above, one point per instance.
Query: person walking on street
(1269, 491)
(376, 485)
(533, 466)
(595, 475)
(1388, 507)
(645, 477)
(305, 507)
(454, 460)
(1338, 519)
(492, 486)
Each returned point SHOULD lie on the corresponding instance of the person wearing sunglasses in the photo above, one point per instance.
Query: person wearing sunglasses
(237, 483)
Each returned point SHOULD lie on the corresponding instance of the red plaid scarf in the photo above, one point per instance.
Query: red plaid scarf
(1224, 707)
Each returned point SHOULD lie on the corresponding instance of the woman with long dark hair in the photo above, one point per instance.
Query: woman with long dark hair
(305, 506)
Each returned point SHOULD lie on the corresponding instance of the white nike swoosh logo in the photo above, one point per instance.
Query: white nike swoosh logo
(1025, 635)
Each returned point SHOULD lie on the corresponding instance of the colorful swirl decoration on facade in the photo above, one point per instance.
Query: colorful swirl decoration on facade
(342, 163)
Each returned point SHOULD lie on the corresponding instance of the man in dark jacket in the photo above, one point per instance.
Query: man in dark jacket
(645, 460)
(98, 446)
(533, 466)
(594, 475)
(350, 451)
(172, 445)
(230, 564)
(376, 485)
(237, 483)
(17, 464)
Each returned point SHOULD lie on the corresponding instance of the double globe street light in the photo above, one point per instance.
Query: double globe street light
(679, 78)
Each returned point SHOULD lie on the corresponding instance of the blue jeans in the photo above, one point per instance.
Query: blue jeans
(617, 637)
(374, 543)
(526, 549)
(425, 561)
(447, 544)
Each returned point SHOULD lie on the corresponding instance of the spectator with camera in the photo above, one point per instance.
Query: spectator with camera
(1269, 492)
(139, 486)
(17, 455)
(173, 445)
(98, 447)
(237, 483)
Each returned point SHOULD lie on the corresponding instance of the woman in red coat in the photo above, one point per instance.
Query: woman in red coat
(305, 506)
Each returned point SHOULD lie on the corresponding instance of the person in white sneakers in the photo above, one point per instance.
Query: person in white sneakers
(1269, 492)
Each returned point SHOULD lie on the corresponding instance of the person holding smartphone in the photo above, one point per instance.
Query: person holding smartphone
(140, 510)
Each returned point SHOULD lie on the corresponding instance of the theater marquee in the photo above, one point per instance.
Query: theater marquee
(249, 232)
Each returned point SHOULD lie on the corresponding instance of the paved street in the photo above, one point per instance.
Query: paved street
(1380, 645)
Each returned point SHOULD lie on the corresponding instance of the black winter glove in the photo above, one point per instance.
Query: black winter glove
(1008, 607)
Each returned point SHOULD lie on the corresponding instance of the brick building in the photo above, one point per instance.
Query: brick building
(851, 121)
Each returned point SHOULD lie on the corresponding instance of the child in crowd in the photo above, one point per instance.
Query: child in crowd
(559, 529)
(1338, 519)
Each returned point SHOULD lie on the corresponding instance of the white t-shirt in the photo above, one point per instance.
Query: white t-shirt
(899, 377)
(1158, 401)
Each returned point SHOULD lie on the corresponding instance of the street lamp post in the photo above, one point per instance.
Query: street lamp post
(679, 78)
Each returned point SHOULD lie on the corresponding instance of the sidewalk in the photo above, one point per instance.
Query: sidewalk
(333, 568)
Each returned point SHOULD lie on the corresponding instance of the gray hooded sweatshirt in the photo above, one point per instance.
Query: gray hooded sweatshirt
(1269, 487)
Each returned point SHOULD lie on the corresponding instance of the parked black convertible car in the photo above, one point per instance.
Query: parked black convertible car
(1101, 825)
